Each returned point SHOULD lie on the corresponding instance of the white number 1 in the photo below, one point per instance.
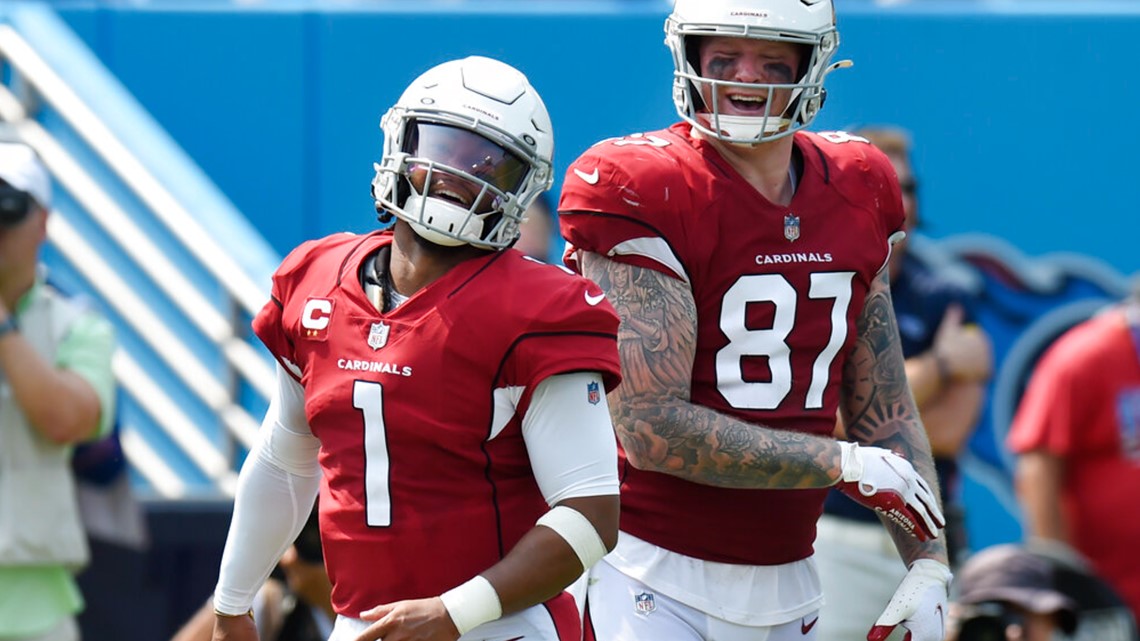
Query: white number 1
(369, 399)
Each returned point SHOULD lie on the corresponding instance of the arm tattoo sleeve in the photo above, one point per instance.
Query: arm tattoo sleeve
(659, 427)
(877, 405)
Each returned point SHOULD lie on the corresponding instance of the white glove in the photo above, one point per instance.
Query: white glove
(919, 604)
(885, 482)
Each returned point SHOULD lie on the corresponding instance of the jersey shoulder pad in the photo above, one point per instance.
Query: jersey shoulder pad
(860, 171)
(317, 251)
(847, 153)
(555, 297)
(636, 175)
(557, 321)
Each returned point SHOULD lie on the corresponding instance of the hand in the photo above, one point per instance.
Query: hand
(919, 604)
(414, 620)
(236, 628)
(885, 482)
(964, 349)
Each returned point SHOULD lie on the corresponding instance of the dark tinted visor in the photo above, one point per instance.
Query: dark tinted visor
(467, 151)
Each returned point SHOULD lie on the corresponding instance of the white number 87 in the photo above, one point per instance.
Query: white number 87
(772, 342)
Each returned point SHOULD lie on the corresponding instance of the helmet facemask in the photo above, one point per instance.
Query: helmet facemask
(454, 186)
(465, 171)
(688, 25)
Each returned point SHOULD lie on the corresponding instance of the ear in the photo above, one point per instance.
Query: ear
(40, 221)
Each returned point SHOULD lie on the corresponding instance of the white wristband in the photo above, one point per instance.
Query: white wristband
(472, 604)
(577, 530)
(850, 462)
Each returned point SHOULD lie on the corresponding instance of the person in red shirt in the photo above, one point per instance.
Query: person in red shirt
(445, 392)
(747, 260)
(1077, 436)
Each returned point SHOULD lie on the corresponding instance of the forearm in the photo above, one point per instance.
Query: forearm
(928, 376)
(887, 416)
(676, 437)
(902, 432)
(60, 404)
(270, 509)
(908, 439)
(276, 490)
(514, 578)
(951, 419)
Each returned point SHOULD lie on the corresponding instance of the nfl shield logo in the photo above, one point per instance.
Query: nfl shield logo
(593, 393)
(643, 603)
(378, 335)
(791, 227)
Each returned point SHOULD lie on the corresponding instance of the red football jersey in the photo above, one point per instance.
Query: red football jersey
(777, 290)
(426, 476)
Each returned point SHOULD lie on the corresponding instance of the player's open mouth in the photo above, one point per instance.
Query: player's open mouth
(445, 190)
(747, 103)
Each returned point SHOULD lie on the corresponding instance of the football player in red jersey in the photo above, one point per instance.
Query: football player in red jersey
(747, 260)
(445, 393)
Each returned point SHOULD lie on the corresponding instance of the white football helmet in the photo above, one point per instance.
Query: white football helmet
(805, 22)
(467, 147)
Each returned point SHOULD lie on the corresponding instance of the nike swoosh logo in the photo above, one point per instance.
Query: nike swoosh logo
(806, 627)
(590, 178)
(594, 300)
(515, 638)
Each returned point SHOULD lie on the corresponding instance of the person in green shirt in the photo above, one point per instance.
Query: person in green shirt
(56, 390)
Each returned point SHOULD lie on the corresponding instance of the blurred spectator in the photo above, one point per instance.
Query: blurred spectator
(56, 390)
(1006, 593)
(536, 233)
(1077, 434)
(948, 361)
(1103, 614)
(293, 605)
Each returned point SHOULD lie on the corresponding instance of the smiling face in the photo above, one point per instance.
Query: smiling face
(750, 61)
(466, 151)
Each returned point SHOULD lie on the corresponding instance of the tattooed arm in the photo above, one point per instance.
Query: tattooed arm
(658, 425)
(877, 406)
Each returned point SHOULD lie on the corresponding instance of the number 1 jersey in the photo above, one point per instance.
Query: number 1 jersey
(426, 478)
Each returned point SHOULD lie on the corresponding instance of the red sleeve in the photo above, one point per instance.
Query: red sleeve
(267, 326)
(603, 205)
(575, 330)
(887, 191)
(275, 324)
(863, 174)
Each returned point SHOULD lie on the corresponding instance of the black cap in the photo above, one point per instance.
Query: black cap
(1010, 574)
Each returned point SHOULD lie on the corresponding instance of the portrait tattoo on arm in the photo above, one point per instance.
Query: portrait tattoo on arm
(878, 407)
(658, 425)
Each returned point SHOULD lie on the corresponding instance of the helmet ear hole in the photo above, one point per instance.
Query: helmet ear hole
(403, 190)
(806, 54)
(693, 57)
(693, 52)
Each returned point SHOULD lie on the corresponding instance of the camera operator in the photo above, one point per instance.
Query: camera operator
(56, 390)
(1008, 594)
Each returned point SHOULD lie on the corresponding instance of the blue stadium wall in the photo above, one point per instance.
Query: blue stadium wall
(1022, 111)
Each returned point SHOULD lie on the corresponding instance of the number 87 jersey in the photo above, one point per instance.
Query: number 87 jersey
(777, 292)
